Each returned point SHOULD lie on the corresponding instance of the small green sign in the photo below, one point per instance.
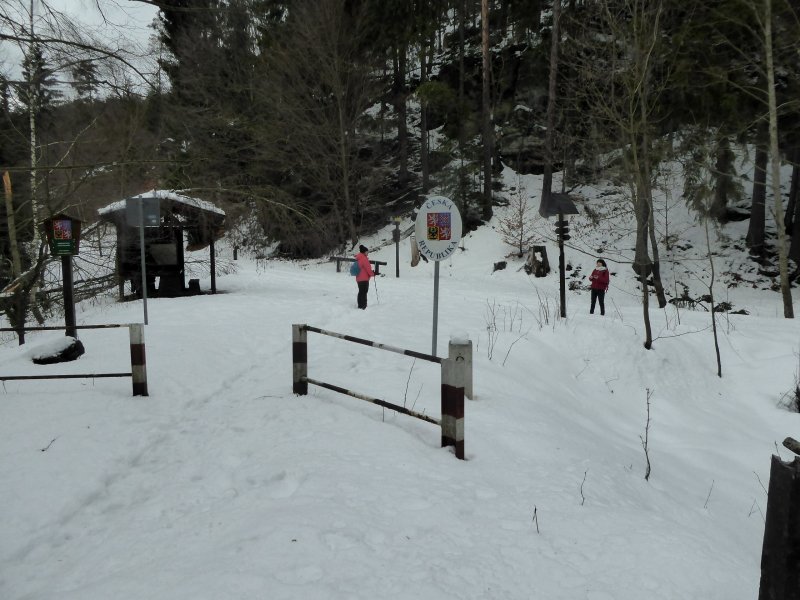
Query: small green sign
(63, 235)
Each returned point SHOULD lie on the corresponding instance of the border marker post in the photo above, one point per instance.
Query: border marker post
(454, 375)
(299, 360)
(138, 360)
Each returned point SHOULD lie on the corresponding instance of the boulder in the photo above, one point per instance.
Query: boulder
(62, 350)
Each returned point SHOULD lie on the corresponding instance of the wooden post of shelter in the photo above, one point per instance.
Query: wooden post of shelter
(780, 555)
(213, 267)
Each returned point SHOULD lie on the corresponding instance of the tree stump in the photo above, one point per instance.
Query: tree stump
(780, 556)
(537, 263)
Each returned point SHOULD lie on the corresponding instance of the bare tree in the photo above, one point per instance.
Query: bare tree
(50, 43)
(319, 82)
(619, 80)
(756, 22)
(775, 158)
(517, 226)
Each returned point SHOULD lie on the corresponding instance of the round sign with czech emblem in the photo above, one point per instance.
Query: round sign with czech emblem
(438, 228)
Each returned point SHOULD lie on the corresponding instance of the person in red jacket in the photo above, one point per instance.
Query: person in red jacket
(364, 274)
(599, 280)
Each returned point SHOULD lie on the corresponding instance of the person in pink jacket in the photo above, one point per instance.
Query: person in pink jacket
(363, 277)
(599, 280)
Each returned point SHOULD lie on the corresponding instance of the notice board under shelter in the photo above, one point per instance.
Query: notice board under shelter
(174, 223)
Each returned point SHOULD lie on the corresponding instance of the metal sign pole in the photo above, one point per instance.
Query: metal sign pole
(435, 304)
(144, 268)
(438, 232)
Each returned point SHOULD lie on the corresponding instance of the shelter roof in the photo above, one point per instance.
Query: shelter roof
(203, 221)
(171, 195)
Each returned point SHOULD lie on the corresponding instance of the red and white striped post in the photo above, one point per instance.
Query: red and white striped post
(299, 360)
(138, 362)
(454, 376)
(465, 349)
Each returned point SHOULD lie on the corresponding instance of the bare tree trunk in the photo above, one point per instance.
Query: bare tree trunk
(723, 168)
(711, 295)
(775, 160)
(660, 295)
(16, 262)
(400, 107)
(488, 133)
(423, 124)
(791, 205)
(794, 202)
(755, 232)
(344, 158)
(461, 75)
(547, 176)
(33, 103)
(648, 331)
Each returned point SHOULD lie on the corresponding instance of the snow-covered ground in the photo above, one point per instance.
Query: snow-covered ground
(223, 484)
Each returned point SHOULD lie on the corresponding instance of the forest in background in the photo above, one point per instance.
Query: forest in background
(315, 121)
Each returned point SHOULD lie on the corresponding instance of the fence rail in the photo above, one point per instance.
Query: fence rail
(383, 403)
(340, 259)
(138, 372)
(357, 340)
(456, 372)
(61, 328)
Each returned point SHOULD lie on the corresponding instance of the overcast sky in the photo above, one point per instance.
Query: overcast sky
(120, 23)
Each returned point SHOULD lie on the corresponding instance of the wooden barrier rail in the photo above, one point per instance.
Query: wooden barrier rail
(454, 371)
(138, 373)
(339, 259)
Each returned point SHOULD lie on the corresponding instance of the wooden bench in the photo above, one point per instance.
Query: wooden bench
(376, 264)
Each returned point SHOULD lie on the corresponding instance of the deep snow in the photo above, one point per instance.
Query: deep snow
(222, 484)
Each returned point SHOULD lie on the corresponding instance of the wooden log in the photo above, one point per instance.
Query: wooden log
(792, 444)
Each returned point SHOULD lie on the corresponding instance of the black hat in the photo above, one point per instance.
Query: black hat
(363, 249)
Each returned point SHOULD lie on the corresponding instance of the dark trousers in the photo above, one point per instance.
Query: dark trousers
(363, 288)
(598, 295)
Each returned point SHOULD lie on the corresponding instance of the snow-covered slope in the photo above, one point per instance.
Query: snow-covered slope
(222, 484)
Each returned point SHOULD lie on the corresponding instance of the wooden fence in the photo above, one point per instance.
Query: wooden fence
(456, 372)
(138, 372)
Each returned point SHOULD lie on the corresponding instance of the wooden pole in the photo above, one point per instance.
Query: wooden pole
(69, 299)
(213, 268)
(396, 236)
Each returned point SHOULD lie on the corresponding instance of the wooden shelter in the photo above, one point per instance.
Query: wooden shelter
(170, 219)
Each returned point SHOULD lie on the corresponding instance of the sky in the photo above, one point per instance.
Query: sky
(223, 484)
(119, 23)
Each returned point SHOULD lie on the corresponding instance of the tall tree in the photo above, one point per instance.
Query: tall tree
(775, 159)
(487, 118)
(618, 81)
(319, 82)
